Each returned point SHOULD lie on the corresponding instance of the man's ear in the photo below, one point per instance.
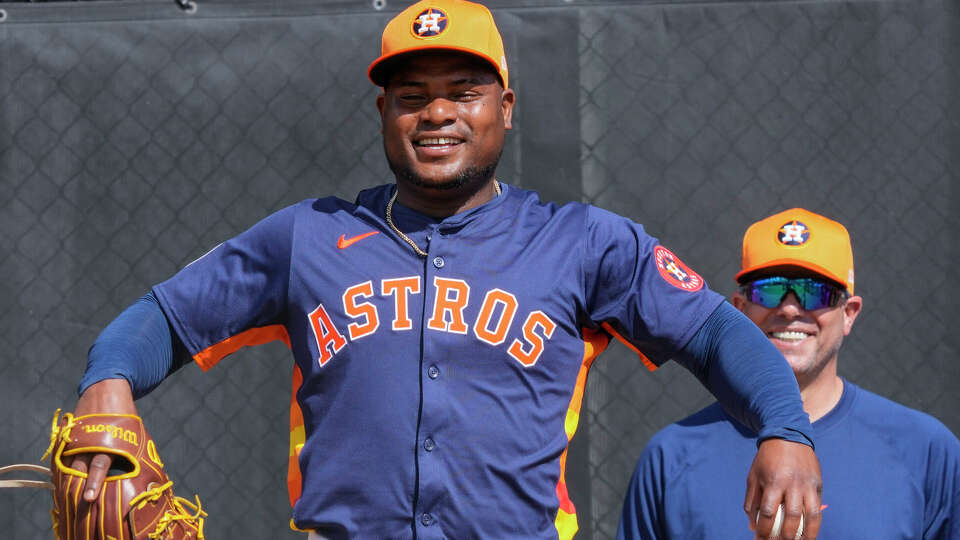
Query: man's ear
(738, 300)
(381, 100)
(507, 99)
(851, 309)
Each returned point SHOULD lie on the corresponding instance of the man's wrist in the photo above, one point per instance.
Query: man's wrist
(108, 395)
(787, 434)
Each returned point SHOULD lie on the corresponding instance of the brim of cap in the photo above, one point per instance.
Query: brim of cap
(796, 264)
(378, 74)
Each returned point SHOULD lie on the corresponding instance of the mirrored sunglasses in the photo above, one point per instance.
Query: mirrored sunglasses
(811, 293)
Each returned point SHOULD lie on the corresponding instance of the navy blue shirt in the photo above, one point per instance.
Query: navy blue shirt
(437, 394)
(889, 472)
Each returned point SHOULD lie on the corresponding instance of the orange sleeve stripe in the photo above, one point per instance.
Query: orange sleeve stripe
(209, 357)
(566, 524)
(646, 361)
(594, 343)
(297, 439)
(565, 503)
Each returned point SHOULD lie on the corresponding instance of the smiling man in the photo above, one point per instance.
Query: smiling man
(442, 326)
(443, 152)
(889, 472)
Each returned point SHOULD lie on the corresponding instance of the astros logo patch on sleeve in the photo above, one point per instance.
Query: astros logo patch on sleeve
(429, 23)
(676, 273)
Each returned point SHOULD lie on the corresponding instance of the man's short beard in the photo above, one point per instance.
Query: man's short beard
(473, 175)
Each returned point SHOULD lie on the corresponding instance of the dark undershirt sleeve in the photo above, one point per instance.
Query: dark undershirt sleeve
(748, 376)
(138, 346)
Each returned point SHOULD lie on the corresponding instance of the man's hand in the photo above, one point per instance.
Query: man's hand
(788, 473)
(107, 396)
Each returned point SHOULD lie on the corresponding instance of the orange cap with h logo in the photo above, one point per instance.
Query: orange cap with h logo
(453, 25)
(798, 237)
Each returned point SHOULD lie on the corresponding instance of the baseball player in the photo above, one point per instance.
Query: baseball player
(442, 326)
(889, 472)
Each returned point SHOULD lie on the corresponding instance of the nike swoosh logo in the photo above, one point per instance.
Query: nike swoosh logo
(344, 243)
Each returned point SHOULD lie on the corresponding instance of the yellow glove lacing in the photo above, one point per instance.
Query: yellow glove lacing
(180, 512)
(55, 433)
(58, 433)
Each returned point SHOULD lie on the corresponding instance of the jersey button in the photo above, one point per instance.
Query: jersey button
(438, 262)
(429, 445)
(433, 372)
(426, 519)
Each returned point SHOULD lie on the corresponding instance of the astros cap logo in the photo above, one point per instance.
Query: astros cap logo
(793, 233)
(430, 22)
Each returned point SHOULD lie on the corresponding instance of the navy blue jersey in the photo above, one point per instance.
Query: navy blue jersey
(445, 389)
(889, 473)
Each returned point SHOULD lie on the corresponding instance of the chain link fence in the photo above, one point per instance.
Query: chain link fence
(134, 137)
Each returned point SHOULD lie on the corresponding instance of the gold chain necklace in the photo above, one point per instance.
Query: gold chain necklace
(420, 252)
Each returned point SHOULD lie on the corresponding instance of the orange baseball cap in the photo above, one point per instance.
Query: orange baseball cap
(454, 25)
(798, 237)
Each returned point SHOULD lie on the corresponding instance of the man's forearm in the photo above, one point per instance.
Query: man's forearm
(748, 376)
(137, 346)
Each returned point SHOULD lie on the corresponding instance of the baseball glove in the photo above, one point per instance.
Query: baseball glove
(136, 501)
